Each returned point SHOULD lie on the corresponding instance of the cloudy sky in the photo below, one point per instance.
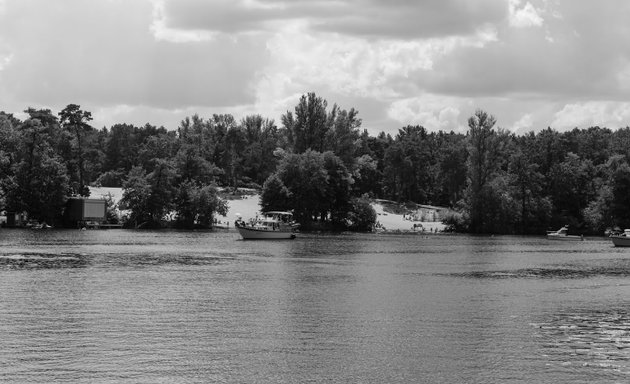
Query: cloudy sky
(531, 63)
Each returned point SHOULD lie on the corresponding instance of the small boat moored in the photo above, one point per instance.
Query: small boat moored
(563, 234)
(621, 239)
(268, 225)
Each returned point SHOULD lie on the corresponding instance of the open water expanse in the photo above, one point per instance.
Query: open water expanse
(202, 307)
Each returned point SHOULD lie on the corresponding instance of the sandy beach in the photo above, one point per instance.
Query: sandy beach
(248, 206)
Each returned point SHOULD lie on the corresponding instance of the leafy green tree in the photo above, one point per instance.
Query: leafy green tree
(527, 185)
(306, 178)
(309, 126)
(598, 214)
(196, 132)
(362, 216)
(121, 148)
(136, 195)
(620, 142)
(486, 152)
(161, 199)
(149, 197)
(235, 141)
(220, 125)
(452, 171)
(40, 181)
(572, 188)
(192, 166)
(498, 215)
(112, 179)
(344, 134)
(196, 205)
(185, 204)
(620, 188)
(338, 189)
(8, 148)
(409, 166)
(159, 144)
(319, 187)
(111, 212)
(262, 137)
(75, 120)
(275, 195)
(365, 175)
(397, 165)
(208, 204)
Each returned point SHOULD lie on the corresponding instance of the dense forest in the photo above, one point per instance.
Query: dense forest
(320, 163)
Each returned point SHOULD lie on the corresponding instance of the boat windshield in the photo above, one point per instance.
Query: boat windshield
(278, 216)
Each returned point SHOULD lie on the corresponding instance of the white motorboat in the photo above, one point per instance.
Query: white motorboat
(269, 225)
(563, 234)
(621, 239)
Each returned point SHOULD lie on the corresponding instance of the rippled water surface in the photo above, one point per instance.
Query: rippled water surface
(167, 307)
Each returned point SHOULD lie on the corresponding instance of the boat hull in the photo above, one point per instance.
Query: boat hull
(262, 234)
(620, 241)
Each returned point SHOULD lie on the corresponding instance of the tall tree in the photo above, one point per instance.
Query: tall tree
(136, 195)
(344, 134)
(620, 187)
(75, 120)
(275, 195)
(163, 190)
(486, 152)
(40, 182)
(572, 188)
(8, 149)
(527, 185)
(451, 170)
(196, 205)
(310, 125)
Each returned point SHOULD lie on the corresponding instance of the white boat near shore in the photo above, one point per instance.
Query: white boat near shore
(269, 225)
(563, 234)
(621, 239)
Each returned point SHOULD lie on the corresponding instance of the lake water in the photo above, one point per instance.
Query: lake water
(200, 307)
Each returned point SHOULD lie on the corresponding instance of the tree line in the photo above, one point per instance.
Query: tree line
(322, 165)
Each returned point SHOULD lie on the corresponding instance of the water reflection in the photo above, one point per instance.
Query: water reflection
(616, 269)
(169, 306)
(582, 339)
(43, 260)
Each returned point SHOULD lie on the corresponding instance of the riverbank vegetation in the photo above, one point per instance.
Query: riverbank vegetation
(320, 163)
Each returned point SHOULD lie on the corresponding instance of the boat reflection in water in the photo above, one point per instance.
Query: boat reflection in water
(268, 225)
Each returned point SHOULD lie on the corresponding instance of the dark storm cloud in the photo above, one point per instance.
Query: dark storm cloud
(580, 61)
(533, 63)
(381, 19)
(91, 52)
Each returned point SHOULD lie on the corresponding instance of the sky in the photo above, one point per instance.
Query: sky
(532, 64)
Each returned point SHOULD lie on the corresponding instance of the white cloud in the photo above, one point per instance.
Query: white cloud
(524, 124)
(623, 78)
(5, 60)
(161, 31)
(430, 62)
(432, 112)
(527, 16)
(593, 113)
(301, 61)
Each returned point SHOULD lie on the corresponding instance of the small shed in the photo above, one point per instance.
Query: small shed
(15, 219)
(86, 212)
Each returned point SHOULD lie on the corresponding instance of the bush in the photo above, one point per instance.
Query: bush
(362, 216)
(455, 221)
